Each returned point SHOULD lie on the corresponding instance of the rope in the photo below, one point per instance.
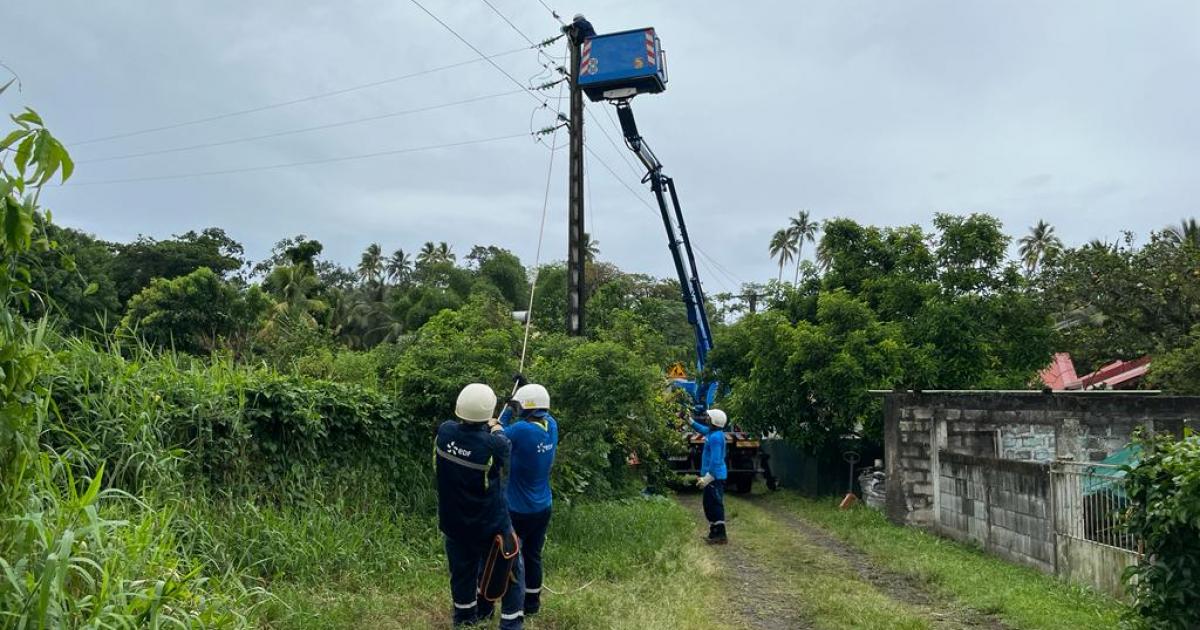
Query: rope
(537, 259)
(574, 590)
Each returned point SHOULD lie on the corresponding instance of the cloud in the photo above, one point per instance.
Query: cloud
(1074, 112)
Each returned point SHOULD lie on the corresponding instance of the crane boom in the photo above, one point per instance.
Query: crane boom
(682, 253)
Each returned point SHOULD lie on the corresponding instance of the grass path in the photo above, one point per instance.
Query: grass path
(800, 563)
(1018, 596)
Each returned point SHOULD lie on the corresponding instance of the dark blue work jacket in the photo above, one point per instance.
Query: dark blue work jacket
(470, 462)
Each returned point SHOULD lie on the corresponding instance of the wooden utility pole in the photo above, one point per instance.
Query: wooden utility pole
(575, 239)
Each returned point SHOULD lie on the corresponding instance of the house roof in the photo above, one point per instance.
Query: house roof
(1060, 374)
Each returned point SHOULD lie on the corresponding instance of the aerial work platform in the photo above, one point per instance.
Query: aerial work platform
(622, 65)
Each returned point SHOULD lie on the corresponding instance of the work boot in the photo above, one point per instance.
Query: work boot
(485, 610)
(718, 536)
(712, 532)
(533, 603)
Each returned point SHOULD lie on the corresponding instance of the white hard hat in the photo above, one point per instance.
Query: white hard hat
(533, 396)
(718, 418)
(476, 402)
(578, 16)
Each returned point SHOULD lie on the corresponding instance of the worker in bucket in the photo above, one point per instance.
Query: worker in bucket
(482, 549)
(534, 436)
(713, 473)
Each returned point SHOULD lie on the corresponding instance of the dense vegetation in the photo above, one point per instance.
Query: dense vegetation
(186, 432)
(1166, 484)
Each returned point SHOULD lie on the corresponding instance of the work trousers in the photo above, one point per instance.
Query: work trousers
(531, 529)
(714, 502)
(466, 562)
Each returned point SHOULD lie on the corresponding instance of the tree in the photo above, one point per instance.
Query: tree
(810, 380)
(1039, 245)
(371, 265)
(591, 248)
(399, 266)
(971, 251)
(74, 281)
(296, 288)
(196, 313)
(431, 254)
(782, 248)
(145, 259)
(802, 229)
(1186, 234)
(504, 271)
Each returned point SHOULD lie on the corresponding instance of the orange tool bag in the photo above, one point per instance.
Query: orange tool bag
(498, 567)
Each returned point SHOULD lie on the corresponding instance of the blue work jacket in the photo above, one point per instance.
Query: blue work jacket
(534, 441)
(713, 460)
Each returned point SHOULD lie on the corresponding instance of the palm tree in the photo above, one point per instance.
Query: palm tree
(1039, 245)
(428, 254)
(783, 248)
(591, 248)
(370, 268)
(1187, 233)
(295, 285)
(802, 228)
(399, 266)
(444, 254)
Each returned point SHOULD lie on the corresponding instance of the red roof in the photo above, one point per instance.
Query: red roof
(1060, 374)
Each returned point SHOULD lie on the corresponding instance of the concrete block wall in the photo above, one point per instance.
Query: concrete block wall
(976, 465)
(1004, 507)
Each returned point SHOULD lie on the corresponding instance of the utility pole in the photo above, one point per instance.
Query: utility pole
(575, 244)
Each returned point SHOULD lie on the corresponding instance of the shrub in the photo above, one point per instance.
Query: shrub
(1165, 490)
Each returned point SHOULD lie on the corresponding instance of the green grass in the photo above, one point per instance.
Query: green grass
(622, 564)
(1022, 597)
(806, 578)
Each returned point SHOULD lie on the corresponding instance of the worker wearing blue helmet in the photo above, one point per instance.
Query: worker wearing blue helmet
(534, 435)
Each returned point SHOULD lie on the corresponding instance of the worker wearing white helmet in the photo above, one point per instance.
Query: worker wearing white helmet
(713, 473)
(534, 435)
(482, 550)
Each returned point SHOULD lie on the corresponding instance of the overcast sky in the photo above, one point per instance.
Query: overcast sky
(1083, 113)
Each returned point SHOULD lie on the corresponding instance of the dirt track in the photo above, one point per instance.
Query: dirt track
(770, 595)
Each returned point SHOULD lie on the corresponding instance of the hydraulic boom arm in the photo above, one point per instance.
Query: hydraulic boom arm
(681, 251)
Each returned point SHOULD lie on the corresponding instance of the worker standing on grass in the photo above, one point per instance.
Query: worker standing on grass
(483, 552)
(713, 473)
(534, 436)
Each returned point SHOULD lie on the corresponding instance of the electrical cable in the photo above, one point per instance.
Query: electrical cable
(360, 156)
(639, 197)
(553, 13)
(295, 101)
(624, 158)
(537, 259)
(277, 134)
(477, 51)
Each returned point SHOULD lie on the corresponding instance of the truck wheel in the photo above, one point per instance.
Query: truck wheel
(742, 484)
(772, 484)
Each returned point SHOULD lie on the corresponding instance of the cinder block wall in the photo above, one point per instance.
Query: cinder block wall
(976, 465)
(1004, 506)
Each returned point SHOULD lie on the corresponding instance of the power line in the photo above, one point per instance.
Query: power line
(295, 101)
(478, 52)
(612, 142)
(647, 203)
(205, 145)
(514, 27)
(553, 13)
(346, 158)
(508, 21)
